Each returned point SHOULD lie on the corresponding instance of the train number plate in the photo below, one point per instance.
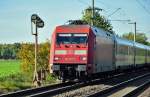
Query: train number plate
(69, 59)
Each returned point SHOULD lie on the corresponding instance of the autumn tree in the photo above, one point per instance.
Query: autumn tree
(43, 58)
(140, 37)
(99, 20)
(26, 54)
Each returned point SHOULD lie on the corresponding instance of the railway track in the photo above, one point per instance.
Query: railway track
(52, 89)
(59, 89)
(125, 89)
(27, 92)
(140, 88)
(68, 88)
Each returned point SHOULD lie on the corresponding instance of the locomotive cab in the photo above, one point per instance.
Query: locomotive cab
(70, 57)
(71, 47)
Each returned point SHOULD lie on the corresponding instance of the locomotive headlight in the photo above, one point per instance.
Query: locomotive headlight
(56, 58)
(83, 58)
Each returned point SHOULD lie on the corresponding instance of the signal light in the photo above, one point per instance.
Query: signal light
(40, 23)
(34, 17)
(37, 20)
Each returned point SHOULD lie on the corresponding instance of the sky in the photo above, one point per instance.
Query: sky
(15, 22)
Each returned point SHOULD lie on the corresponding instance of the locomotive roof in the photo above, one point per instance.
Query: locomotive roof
(73, 28)
(83, 28)
(74, 25)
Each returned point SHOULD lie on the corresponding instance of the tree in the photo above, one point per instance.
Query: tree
(9, 51)
(0, 51)
(149, 43)
(43, 58)
(140, 37)
(16, 48)
(26, 54)
(99, 20)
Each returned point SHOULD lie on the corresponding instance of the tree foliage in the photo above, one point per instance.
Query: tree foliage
(140, 37)
(26, 54)
(9, 51)
(43, 59)
(99, 20)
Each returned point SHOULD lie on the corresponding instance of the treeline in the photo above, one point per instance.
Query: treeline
(9, 51)
(140, 37)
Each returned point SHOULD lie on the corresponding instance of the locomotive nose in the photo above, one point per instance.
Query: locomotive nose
(71, 56)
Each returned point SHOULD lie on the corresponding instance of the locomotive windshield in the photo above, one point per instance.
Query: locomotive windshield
(71, 38)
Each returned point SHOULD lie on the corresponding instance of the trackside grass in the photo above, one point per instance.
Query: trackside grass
(9, 67)
(12, 78)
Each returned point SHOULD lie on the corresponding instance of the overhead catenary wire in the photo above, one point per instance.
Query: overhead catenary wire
(83, 2)
(103, 3)
(114, 12)
(146, 10)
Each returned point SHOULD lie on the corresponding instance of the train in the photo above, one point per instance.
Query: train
(81, 51)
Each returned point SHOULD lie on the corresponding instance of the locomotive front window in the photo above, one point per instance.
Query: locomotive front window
(63, 38)
(72, 38)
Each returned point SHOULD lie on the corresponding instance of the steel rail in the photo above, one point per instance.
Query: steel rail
(58, 90)
(138, 89)
(31, 91)
(71, 87)
(105, 91)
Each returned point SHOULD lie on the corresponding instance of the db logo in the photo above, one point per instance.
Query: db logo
(70, 52)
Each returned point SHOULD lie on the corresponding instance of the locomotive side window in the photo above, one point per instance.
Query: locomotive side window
(79, 38)
(63, 38)
(72, 38)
